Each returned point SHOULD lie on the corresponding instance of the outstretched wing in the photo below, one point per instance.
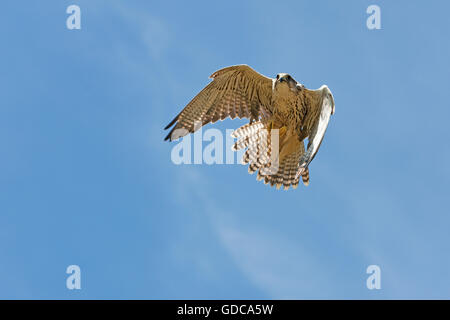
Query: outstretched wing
(237, 91)
(318, 131)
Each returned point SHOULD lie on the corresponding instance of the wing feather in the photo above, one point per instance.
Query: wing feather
(235, 91)
(318, 131)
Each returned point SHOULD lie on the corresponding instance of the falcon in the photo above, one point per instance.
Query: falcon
(281, 105)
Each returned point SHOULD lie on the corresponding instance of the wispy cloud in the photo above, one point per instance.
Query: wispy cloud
(272, 262)
(150, 30)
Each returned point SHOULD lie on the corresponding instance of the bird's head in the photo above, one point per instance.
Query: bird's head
(284, 81)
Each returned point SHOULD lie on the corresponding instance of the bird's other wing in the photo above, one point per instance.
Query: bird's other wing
(319, 128)
(236, 91)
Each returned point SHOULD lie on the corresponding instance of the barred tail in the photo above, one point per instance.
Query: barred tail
(305, 177)
(257, 140)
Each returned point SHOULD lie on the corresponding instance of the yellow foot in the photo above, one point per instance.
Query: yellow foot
(270, 126)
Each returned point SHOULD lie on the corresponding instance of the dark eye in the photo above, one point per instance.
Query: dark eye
(278, 76)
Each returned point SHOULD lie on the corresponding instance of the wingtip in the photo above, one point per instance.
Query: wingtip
(169, 136)
(172, 122)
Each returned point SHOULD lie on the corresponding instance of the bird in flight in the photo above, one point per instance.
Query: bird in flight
(281, 105)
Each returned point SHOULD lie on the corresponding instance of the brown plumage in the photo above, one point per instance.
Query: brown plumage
(282, 113)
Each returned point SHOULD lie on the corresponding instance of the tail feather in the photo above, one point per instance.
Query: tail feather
(258, 157)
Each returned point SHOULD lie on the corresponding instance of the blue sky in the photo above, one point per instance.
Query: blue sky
(86, 178)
